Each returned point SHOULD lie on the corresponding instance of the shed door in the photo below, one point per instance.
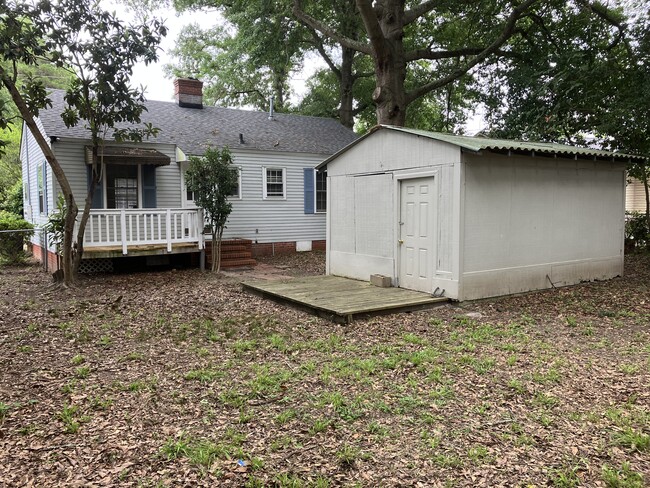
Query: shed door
(416, 241)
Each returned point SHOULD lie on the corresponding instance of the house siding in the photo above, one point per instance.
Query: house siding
(635, 196)
(72, 156)
(273, 220)
(31, 157)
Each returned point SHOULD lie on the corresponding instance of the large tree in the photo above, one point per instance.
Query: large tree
(101, 52)
(582, 79)
(447, 38)
(10, 167)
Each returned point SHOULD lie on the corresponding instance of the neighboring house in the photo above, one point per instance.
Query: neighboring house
(635, 196)
(141, 206)
(473, 217)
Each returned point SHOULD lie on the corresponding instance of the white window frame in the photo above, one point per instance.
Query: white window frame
(316, 192)
(40, 188)
(104, 184)
(264, 183)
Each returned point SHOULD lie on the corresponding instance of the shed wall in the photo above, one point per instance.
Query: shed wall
(363, 215)
(532, 221)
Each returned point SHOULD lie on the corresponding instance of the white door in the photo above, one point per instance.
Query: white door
(416, 240)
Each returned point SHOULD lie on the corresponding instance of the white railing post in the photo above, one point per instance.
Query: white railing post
(169, 230)
(199, 228)
(123, 229)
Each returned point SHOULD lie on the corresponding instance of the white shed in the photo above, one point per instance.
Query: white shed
(473, 217)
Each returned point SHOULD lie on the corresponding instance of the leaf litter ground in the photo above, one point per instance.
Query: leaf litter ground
(179, 378)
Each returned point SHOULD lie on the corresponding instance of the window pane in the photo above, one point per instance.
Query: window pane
(274, 184)
(321, 191)
(121, 186)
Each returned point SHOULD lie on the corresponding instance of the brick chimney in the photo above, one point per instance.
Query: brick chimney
(188, 92)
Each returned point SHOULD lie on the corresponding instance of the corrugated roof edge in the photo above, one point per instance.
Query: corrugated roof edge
(477, 144)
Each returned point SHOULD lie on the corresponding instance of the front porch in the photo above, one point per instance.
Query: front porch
(114, 233)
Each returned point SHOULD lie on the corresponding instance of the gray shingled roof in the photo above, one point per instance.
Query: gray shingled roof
(193, 130)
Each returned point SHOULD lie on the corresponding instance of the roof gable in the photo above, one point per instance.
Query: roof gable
(194, 130)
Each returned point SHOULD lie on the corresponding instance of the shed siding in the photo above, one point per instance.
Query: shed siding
(364, 209)
(273, 220)
(529, 222)
(635, 196)
(392, 151)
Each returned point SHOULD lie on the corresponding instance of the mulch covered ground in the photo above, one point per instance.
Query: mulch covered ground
(179, 378)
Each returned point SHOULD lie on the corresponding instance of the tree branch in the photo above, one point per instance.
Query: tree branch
(418, 11)
(326, 30)
(323, 54)
(370, 22)
(506, 33)
(454, 53)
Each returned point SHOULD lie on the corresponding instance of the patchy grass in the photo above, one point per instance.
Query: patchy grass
(187, 380)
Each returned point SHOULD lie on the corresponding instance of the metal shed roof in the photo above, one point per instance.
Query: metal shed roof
(477, 144)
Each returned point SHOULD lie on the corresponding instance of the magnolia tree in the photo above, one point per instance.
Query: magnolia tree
(101, 52)
(213, 179)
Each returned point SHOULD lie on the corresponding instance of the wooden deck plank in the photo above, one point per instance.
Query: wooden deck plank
(341, 299)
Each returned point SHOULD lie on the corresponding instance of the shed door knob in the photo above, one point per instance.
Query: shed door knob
(401, 241)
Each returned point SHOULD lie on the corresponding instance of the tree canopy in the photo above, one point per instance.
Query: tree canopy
(100, 51)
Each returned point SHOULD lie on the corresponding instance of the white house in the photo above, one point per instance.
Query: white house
(142, 206)
(635, 196)
(469, 218)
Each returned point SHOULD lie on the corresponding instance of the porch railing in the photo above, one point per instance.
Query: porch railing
(140, 227)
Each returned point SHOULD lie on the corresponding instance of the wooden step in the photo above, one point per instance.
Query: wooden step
(237, 263)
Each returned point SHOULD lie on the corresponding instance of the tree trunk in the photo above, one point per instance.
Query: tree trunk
(69, 275)
(346, 82)
(79, 251)
(390, 63)
(216, 249)
(645, 181)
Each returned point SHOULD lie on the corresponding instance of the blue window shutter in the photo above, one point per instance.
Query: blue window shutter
(98, 197)
(148, 186)
(309, 190)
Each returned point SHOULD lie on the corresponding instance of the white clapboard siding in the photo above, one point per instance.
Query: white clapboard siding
(273, 220)
(635, 196)
(31, 157)
(71, 154)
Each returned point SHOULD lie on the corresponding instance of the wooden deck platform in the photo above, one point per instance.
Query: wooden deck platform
(341, 299)
(139, 250)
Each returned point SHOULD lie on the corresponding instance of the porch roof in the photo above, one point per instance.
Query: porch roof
(129, 155)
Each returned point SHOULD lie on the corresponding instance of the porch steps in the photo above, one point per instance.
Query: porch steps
(235, 253)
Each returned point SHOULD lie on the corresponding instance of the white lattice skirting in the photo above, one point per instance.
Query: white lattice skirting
(99, 265)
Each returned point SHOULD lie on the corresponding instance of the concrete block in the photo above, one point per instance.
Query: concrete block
(380, 280)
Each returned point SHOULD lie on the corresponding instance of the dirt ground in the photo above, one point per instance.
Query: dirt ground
(179, 378)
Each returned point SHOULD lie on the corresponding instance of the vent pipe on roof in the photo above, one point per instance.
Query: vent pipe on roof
(271, 109)
(241, 138)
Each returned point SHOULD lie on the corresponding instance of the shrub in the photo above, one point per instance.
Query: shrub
(11, 243)
(637, 234)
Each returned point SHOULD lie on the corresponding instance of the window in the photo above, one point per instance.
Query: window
(40, 175)
(321, 191)
(121, 186)
(189, 195)
(237, 191)
(274, 183)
